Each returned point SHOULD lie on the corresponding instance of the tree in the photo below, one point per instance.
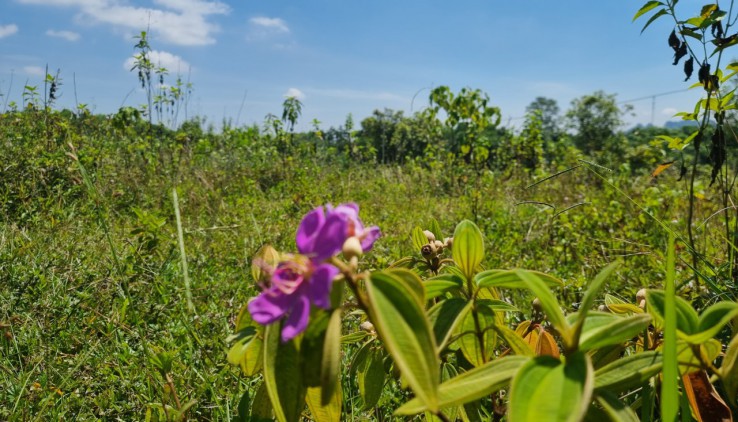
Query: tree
(595, 118)
(548, 115)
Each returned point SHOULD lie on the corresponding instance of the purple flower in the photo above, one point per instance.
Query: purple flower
(305, 279)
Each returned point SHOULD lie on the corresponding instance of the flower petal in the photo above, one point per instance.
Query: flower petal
(298, 319)
(308, 230)
(330, 239)
(369, 237)
(320, 285)
(269, 306)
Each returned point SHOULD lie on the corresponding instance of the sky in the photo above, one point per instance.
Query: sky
(344, 56)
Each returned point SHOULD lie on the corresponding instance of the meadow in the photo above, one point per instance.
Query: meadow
(598, 259)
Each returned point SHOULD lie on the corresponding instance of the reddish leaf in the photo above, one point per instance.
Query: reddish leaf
(706, 403)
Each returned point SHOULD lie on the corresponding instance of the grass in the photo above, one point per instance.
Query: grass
(93, 264)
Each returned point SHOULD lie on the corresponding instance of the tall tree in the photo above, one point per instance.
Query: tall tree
(595, 118)
(548, 114)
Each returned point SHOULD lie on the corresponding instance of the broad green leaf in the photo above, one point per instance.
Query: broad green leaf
(621, 307)
(247, 354)
(244, 407)
(670, 380)
(691, 356)
(712, 320)
(628, 372)
(655, 16)
(412, 283)
(330, 365)
(435, 228)
(480, 321)
(445, 316)
(328, 412)
(617, 331)
(517, 344)
(548, 302)
(406, 332)
(261, 407)
(405, 262)
(497, 305)
(418, 238)
(546, 389)
(283, 376)
(647, 8)
(354, 337)
(687, 319)
(615, 409)
(589, 297)
(471, 385)
(509, 279)
(370, 378)
(729, 371)
(361, 355)
(468, 248)
(441, 284)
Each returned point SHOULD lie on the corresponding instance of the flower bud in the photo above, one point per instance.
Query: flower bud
(426, 251)
(449, 241)
(429, 235)
(537, 305)
(439, 246)
(367, 326)
(640, 296)
(352, 247)
(603, 308)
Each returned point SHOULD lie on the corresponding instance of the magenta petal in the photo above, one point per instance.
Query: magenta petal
(269, 307)
(320, 285)
(349, 209)
(298, 319)
(370, 236)
(309, 228)
(330, 239)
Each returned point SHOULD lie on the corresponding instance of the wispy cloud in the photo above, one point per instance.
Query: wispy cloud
(169, 61)
(270, 24)
(67, 35)
(34, 70)
(294, 92)
(180, 22)
(669, 111)
(8, 30)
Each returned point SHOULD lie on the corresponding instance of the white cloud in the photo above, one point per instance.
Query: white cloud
(173, 63)
(67, 35)
(669, 111)
(354, 94)
(8, 30)
(270, 24)
(181, 22)
(294, 92)
(34, 71)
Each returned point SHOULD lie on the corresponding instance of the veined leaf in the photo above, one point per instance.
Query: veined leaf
(615, 408)
(628, 372)
(602, 329)
(517, 344)
(282, 376)
(511, 280)
(435, 228)
(655, 16)
(418, 238)
(441, 284)
(328, 412)
(471, 385)
(473, 322)
(330, 365)
(548, 302)
(468, 248)
(405, 331)
(687, 319)
(712, 320)
(354, 337)
(412, 283)
(445, 316)
(546, 389)
(588, 300)
(370, 377)
(729, 370)
(650, 5)
(689, 362)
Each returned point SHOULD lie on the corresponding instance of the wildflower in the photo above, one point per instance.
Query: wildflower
(304, 279)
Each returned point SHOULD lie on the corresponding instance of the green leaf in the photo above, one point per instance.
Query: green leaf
(646, 8)
(435, 228)
(545, 389)
(283, 376)
(655, 16)
(511, 280)
(441, 284)
(354, 337)
(471, 385)
(247, 347)
(548, 302)
(518, 345)
(468, 248)
(361, 355)
(261, 408)
(480, 321)
(244, 405)
(445, 316)
(602, 329)
(628, 372)
(406, 332)
(328, 412)
(712, 320)
(589, 297)
(729, 371)
(330, 365)
(370, 377)
(418, 238)
(411, 282)
(670, 379)
(689, 361)
(687, 319)
(616, 409)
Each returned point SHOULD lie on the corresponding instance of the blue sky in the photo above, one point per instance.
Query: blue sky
(346, 56)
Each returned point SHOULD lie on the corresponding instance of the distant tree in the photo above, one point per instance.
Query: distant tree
(595, 119)
(548, 114)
